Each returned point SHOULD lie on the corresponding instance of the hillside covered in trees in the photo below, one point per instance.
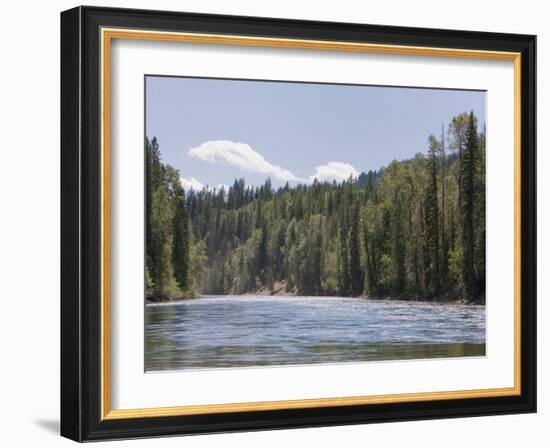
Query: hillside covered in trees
(412, 230)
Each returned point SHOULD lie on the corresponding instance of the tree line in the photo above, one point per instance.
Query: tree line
(413, 229)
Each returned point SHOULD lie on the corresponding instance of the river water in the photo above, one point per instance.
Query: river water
(244, 331)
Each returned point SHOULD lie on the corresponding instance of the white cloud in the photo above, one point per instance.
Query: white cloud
(194, 184)
(337, 171)
(191, 184)
(242, 156)
(245, 158)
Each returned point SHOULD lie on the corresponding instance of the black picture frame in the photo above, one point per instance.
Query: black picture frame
(81, 224)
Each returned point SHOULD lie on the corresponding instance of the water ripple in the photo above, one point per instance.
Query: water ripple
(240, 331)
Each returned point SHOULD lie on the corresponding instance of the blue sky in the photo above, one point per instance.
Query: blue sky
(214, 131)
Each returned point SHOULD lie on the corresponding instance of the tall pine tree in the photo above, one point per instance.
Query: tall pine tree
(432, 222)
(181, 246)
(355, 268)
(467, 193)
(443, 225)
(343, 260)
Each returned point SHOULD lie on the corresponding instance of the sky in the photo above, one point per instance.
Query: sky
(215, 131)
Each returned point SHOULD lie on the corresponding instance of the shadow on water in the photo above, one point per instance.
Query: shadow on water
(246, 331)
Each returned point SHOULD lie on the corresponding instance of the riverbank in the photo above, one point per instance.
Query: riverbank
(188, 295)
(281, 291)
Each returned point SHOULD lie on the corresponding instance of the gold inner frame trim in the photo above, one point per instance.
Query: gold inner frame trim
(107, 35)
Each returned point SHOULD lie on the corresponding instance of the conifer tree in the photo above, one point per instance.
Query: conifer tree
(162, 271)
(343, 260)
(355, 269)
(467, 187)
(182, 238)
(443, 225)
(432, 223)
(398, 244)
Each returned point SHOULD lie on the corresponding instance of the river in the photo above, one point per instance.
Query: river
(244, 331)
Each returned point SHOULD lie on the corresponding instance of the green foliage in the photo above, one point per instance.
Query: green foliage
(168, 236)
(415, 228)
(197, 261)
(343, 261)
(162, 271)
(181, 250)
(467, 193)
(149, 285)
(431, 229)
(354, 244)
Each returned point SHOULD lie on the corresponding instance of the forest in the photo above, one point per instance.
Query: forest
(414, 229)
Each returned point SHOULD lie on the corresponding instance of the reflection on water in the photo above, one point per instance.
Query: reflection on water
(238, 331)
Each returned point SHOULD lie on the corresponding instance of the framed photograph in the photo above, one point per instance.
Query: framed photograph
(273, 223)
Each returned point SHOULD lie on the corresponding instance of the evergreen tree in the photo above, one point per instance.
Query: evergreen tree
(479, 213)
(370, 273)
(182, 238)
(355, 269)
(343, 261)
(432, 223)
(153, 180)
(162, 271)
(467, 190)
(444, 243)
(262, 253)
(398, 244)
